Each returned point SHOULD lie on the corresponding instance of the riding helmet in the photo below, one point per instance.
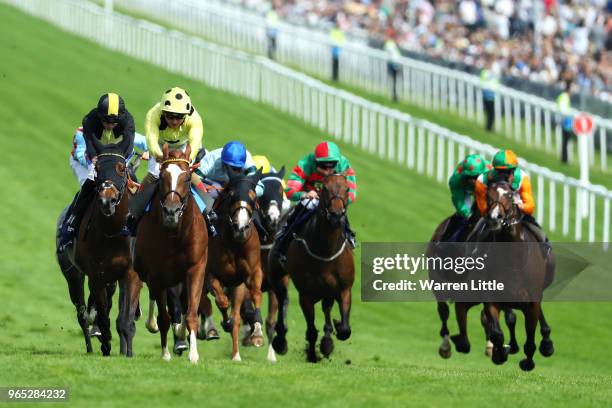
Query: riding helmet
(234, 154)
(176, 100)
(110, 107)
(505, 159)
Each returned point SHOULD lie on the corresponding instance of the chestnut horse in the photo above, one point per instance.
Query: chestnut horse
(172, 246)
(534, 272)
(235, 257)
(321, 265)
(270, 207)
(102, 252)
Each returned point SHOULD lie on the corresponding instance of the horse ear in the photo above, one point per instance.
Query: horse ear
(188, 151)
(165, 150)
(281, 173)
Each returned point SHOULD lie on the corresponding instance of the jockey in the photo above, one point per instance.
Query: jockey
(79, 161)
(262, 162)
(176, 122)
(109, 123)
(505, 168)
(461, 184)
(215, 170)
(302, 187)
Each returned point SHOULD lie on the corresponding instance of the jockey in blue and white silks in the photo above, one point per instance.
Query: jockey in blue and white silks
(82, 166)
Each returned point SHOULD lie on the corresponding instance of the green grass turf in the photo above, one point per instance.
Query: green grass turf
(450, 120)
(50, 79)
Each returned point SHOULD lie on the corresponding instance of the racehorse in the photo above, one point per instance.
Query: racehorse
(270, 206)
(320, 263)
(235, 257)
(102, 252)
(172, 246)
(534, 271)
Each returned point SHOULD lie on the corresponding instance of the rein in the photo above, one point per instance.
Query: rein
(315, 256)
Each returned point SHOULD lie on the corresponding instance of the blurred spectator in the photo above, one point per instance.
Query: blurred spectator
(272, 22)
(393, 65)
(337, 40)
(531, 39)
(564, 105)
(489, 82)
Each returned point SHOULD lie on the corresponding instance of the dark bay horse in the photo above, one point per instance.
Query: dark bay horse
(172, 246)
(102, 253)
(270, 207)
(533, 268)
(235, 262)
(321, 265)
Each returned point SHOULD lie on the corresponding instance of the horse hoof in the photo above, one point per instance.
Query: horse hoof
(444, 353)
(212, 334)
(312, 357)
(271, 354)
(165, 354)
(343, 334)
(236, 357)
(513, 348)
(500, 356)
(462, 345)
(546, 348)
(326, 346)
(280, 345)
(527, 365)
(228, 325)
(257, 341)
(95, 331)
(106, 349)
(151, 326)
(489, 349)
(179, 347)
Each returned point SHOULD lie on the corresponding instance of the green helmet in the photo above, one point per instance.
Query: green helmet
(505, 159)
(472, 165)
(327, 152)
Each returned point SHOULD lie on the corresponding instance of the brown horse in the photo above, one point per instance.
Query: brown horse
(320, 263)
(102, 253)
(172, 246)
(534, 272)
(235, 257)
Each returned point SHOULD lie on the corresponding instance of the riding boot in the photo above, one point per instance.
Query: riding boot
(349, 234)
(535, 228)
(210, 217)
(452, 228)
(261, 230)
(139, 202)
(75, 213)
(285, 235)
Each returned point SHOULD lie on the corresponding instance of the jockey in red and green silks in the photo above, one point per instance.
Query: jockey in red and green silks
(305, 182)
(461, 184)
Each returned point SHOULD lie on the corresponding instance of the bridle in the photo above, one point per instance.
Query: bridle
(182, 198)
(109, 184)
(506, 222)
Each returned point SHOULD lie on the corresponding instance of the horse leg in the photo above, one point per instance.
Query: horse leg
(546, 345)
(532, 313)
(238, 298)
(445, 348)
(500, 354)
(327, 344)
(222, 303)
(101, 300)
(177, 320)
(207, 331)
(163, 321)
(461, 341)
(279, 343)
(254, 286)
(510, 318)
(195, 282)
(343, 328)
(487, 329)
(270, 323)
(151, 323)
(247, 314)
(76, 283)
(312, 333)
(129, 293)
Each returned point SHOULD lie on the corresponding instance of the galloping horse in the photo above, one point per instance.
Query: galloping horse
(534, 272)
(321, 265)
(172, 246)
(270, 206)
(102, 252)
(235, 257)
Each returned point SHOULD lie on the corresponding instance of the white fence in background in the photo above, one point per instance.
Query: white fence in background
(524, 117)
(563, 203)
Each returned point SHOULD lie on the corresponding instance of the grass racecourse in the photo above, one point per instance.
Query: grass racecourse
(49, 80)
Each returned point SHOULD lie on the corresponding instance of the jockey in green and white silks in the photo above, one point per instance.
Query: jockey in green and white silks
(461, 184)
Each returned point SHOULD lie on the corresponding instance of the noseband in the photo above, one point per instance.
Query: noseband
(108, 184)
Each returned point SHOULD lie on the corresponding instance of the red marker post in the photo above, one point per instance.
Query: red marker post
(583, 126)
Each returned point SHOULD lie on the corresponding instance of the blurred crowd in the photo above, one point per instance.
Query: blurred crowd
(546, 41)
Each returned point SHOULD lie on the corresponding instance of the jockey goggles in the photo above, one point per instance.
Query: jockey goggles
(327, 165)
(176, 116)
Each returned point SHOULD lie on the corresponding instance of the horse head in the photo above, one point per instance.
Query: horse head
(334, 198)
(238, 203)
(272, 199)
(111, 179)
(503, 213)
(175, 184)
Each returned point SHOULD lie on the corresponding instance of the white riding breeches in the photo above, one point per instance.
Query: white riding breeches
(153, 167)
(81, 172)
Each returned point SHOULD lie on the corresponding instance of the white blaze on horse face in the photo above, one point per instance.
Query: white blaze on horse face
(501, 192)
(175, 171)
(495, 212)
(273, 211)
(243, 218)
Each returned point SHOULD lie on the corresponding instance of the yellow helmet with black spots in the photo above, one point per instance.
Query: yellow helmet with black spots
(110, 107)
(176, 100)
